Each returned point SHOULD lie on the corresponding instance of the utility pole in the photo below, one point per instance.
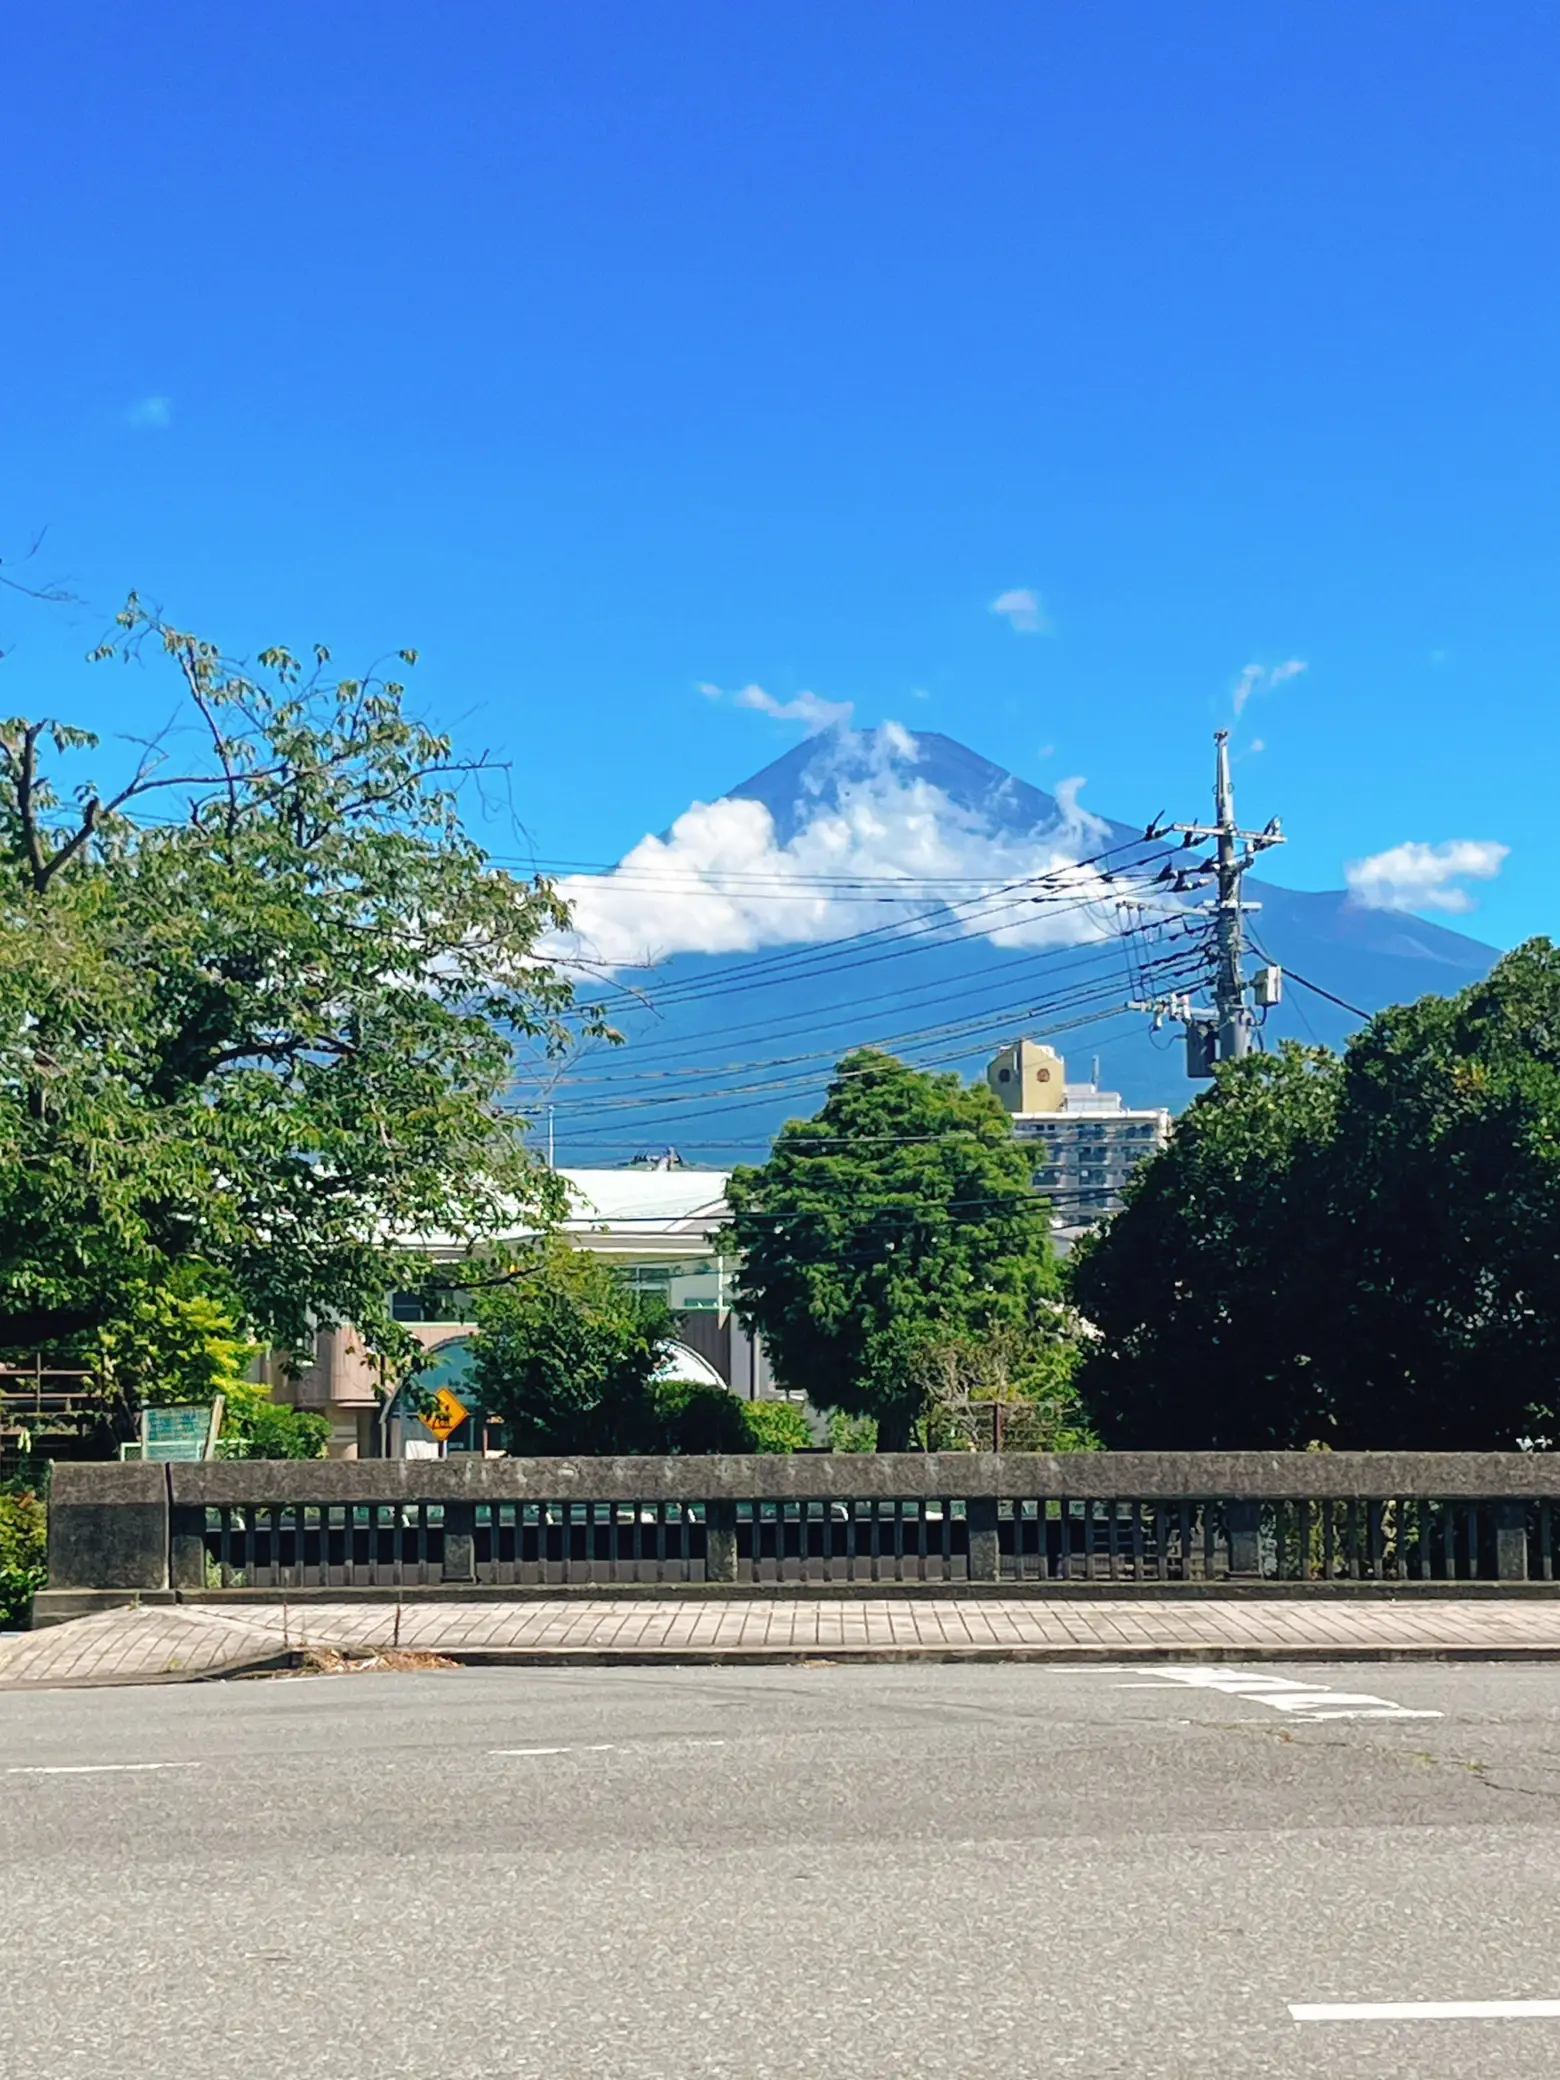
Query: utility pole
(1225, 1033)
(1230, 986)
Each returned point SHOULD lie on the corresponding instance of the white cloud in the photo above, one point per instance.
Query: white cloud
(1262, 678)
(809, 709)
(1416, 876)
(1025, 611)
(721, 881)
(150, 411)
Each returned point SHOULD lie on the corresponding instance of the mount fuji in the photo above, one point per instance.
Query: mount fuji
(894, 887)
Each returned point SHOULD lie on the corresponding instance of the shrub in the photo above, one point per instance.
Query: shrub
(852, 1433)
(776, 1426)
(23, 1550)
(697, 1417)
(175, 1343)
(271, 1430)
(1025, 1372)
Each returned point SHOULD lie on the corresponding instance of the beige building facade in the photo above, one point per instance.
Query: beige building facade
(1087, 1141)
(657, 1225)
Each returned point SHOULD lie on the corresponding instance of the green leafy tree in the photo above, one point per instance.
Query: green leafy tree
(1010, 1388)
(697, 1416)
(1363, 1253)
(24, 1544)
(900, 1214)
(181, 1343)
(258, 1004)
(775, 1426)
(566, 1356)
(852, 1433)
(266, 1429)
(1202, 1289)
(178, 1342)
(1443, 1313)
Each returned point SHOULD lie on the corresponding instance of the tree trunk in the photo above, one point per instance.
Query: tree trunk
(895, 1426)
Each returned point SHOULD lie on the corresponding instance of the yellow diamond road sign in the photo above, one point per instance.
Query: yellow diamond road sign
(446, 1415)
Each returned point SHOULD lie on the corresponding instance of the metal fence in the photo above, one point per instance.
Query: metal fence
(944, 1538)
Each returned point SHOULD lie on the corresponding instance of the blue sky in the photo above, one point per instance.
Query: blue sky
(604, 352)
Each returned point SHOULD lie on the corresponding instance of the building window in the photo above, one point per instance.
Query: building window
(650, 1278)
(439, 1304)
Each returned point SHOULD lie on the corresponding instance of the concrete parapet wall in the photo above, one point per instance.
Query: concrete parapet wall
(1323, 1519)
(1080, 1476)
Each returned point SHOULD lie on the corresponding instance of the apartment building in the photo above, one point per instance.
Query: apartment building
(1087, 1141)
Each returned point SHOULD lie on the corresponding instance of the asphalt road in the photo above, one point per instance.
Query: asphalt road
(943, 1871)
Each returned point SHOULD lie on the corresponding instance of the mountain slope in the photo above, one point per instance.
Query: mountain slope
(725, 1046)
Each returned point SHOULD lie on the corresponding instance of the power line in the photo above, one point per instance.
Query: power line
(1089, 956)
(768, 1095)
(943, 916)
(1075, 994)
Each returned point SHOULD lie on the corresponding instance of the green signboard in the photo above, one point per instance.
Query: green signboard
(180, 1433)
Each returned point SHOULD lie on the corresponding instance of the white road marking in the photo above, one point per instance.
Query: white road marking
(1283, 1693)
(90, 1769)
(1424, 2011)
(607, 1747)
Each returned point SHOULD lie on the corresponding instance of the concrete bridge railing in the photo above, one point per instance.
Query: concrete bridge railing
(1136, 1521)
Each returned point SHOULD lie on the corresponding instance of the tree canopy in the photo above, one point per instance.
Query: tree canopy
(1202, 1287)
(566, 1355)
(902, 1214)
(1363, 1253)
(257, 1002)
(572, 1360)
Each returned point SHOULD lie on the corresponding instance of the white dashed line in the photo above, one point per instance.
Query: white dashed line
(91, 1769)
(1424, 2011)
(609, 1747)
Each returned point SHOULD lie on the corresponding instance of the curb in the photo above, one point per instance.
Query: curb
(262, 1665)
(415, 1595)
(1076, 1656)
(290, 1660)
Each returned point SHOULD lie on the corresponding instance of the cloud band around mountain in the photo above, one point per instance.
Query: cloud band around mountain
(722, 882)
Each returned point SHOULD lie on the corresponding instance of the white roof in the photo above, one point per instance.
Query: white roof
(688, 1368)
(649, 1202)
(628, 1203)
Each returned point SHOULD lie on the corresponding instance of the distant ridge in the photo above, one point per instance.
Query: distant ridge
(951, 1002)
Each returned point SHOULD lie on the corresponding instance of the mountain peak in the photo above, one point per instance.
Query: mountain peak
(824, 770)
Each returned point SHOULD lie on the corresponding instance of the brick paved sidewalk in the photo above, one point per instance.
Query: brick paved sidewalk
(172, 1642)
(165, 1643)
